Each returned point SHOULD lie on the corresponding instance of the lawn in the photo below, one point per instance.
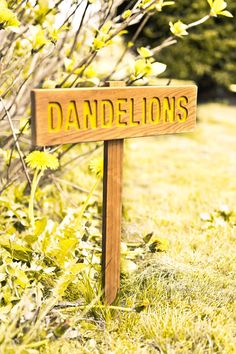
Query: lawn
(180, 190)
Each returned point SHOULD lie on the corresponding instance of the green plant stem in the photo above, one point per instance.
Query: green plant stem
(86, 201)
(199, 22)
(37, 175)
(37, 344)
(172, 40)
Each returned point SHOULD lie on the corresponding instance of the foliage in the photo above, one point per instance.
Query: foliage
(50, 225)
(45, 261)
(42, 45)
(207, 54)
(50, 275)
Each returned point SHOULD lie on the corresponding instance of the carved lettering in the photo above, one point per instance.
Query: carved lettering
(107, 113)
(120, 113)
(72, 118)
(181, 106)
(169, 109)
(55, 118)
(90, 114)
(155, 110)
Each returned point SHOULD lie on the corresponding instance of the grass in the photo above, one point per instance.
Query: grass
(187, 295)
(178, 187)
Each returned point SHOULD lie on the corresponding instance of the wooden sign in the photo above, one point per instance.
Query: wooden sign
(62, 116)
(111, 114)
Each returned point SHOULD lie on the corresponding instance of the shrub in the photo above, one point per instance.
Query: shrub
(206, 56)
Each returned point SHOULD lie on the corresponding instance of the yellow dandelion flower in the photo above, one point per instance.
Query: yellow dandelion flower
(96, 166)
(42, 160)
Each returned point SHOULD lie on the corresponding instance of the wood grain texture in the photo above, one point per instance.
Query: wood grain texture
(112, 214)
(63, 116)
(112, 191)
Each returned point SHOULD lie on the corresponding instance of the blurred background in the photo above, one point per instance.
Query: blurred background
(207, 55)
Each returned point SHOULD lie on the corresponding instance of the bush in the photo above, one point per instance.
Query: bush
(206, 56)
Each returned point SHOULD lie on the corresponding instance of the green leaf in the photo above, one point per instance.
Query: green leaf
(148, 237)
(21, 278)
(67, 277)
(49, 84)
(98, 44)
(162, 3)
(17, 251)
(126, 14)
(78, 267)
(106, 27)
(145, 52)
(178, 28)
(226, 13)
(54, 33)
(7, 17)
(38, 37)
(40, 226)
(147, 5)
(168, 3)
(218, 8)
(63, 250)
(90, 72)
(142, 67)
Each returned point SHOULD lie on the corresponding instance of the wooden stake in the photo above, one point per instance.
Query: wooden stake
(112, 205)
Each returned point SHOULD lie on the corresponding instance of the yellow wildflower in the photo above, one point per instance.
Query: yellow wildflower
(96, 166)
(42, 160)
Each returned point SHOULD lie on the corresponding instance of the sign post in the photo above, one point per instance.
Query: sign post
(113, 113)
(111, 219)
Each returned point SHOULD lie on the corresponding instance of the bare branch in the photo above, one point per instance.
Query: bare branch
(21, 155)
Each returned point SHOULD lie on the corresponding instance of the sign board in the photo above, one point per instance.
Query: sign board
(62, 116)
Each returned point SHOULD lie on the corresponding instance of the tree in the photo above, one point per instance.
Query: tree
(207, 55)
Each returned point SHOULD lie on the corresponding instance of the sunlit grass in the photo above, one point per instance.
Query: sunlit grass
(187, 295)
(179, 188)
